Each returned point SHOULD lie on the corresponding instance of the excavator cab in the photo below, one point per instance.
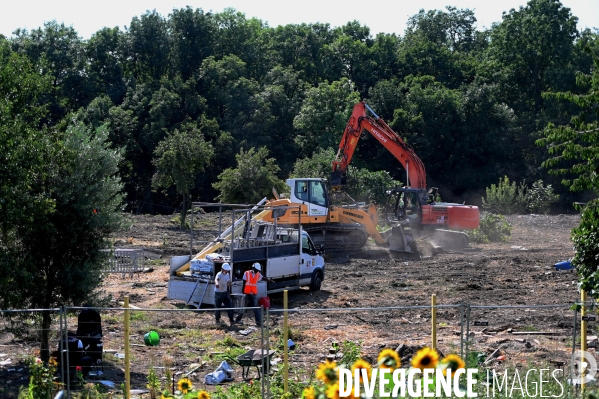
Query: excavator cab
(403, 204)
(311, 191)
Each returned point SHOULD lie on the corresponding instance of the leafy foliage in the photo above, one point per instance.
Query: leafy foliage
(586, 243)
(574, 148)
(56, 255)
(318, 165)
(493, 228)
(41, 384)
(320, 126)
(351, 351)
(540, 197)
(252, 179)
(368, 186)
(468, 100)
(506, 197)
(529, 42)
(179, 158)
(363, 184)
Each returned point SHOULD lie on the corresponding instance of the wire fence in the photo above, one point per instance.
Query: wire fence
(192, 344)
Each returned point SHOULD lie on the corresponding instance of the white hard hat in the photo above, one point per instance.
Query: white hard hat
(257, 266)
(226, 267)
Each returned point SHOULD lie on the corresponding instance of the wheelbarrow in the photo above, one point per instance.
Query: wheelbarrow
(254, 357)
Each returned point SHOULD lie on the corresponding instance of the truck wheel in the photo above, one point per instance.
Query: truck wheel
(316, 281)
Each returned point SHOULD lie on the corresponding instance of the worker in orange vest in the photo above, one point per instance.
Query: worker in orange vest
(250, 289)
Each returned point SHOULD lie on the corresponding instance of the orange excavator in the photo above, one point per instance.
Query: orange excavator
(411, 212)
(412, 203)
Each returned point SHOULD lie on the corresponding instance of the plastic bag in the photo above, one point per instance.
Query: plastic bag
(223, 373)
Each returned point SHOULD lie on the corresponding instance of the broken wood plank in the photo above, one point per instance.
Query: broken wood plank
(492, 356)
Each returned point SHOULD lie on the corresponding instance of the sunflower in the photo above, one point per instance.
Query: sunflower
(184, 385)
(389, 359)
(326, 372)
(166, 395)
(333, 391)
(452, 363)
(203, 395)
(308, 393)
(426, 358)
(361, 365)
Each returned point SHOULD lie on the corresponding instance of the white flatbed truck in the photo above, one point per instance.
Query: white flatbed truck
(287, 255)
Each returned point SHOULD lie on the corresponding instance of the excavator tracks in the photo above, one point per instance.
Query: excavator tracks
(337, 238)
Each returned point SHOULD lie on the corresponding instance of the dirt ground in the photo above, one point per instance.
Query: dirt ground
(518, 273)
(514, 275)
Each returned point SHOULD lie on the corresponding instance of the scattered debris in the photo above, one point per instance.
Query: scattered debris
(106, 383)
(195, 366)
(138, 391)
(492, 356)
(535, 333)
(247, 331)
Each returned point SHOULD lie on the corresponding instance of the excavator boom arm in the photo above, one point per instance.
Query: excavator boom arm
(403, 152)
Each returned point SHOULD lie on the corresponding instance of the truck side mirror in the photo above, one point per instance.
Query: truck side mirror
(321, 249)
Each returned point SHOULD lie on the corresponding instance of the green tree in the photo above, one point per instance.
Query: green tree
(192, 34)
(58, 51)
(527, 43)
(440, 44)
(324, 114)
(302, 48)
(23, 148)
(178, 160)
(574, 148)
(349, 56)
(574, 151)
(586, 239)
(104, 53)
(363, 184)
(368, 186)
(318, 165)
(146, 47)
(466, 130)
(271, 116)
(58, 255)
(252, 179)
(540, 197)
(239, 36)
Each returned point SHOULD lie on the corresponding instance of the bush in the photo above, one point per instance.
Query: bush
(506, 198)
(539, 197)
(493, 228)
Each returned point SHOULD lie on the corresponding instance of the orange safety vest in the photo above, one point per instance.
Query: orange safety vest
(251, 283)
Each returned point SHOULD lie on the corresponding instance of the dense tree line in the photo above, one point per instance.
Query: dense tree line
(470, 102)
